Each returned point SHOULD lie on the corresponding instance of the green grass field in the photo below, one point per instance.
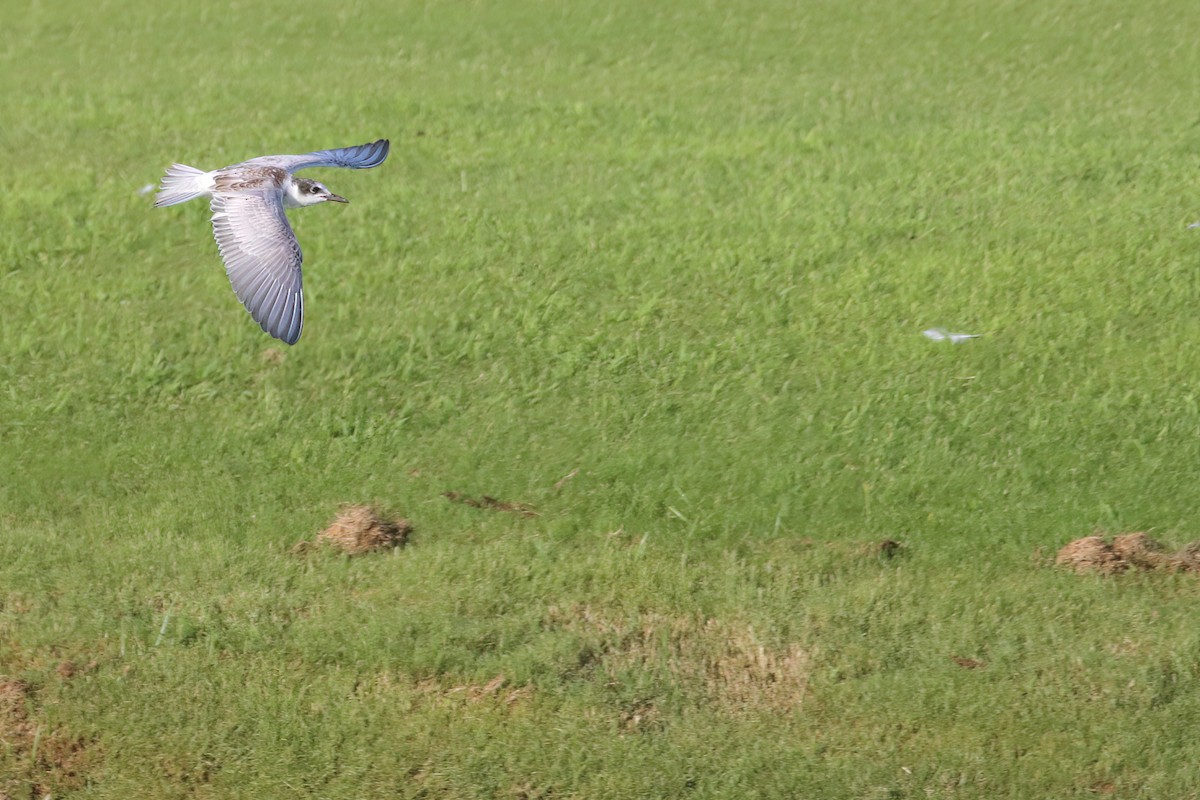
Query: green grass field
(685, 248)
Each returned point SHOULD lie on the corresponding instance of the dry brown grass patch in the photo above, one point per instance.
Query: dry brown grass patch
(497, 689)
(742, 673)
(272, 355)
(363, 529)
(69, 669)
(1139, 550)
(14, 724)
(639, 717)
(1090, 554)
(1128, 551)
(727, 662)
(36, 761)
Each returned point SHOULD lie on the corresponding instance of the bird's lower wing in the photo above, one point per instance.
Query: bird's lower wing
(363, 156)
(262, 259)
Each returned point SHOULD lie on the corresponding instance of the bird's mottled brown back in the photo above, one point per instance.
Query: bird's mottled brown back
(245, 179)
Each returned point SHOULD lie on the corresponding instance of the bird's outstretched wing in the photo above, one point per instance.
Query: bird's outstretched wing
(262, 258)
(363, 156)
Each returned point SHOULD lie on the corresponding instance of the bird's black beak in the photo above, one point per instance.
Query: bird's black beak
(337, 198)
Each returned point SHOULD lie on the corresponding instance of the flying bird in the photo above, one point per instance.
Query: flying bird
(262, 257)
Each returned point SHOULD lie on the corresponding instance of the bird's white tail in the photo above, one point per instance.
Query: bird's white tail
(182, 183)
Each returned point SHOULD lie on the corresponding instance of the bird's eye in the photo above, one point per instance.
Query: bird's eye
(314, 190)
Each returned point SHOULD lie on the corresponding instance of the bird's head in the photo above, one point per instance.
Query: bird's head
(308, 193)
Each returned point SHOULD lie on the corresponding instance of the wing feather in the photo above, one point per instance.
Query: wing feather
(363, 156)
(262, 258)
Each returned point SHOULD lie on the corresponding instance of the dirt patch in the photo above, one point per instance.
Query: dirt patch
(491, 503)
(1140, 551)
(1090, 554)
(967, 663)
(14, 724)
(1127, 551)
(886, 549)
(362, 529)
(725, 662)
(69, 669)
(37, 761)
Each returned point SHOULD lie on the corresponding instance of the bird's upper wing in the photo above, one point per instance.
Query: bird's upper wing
(363, 156)
(262, 258)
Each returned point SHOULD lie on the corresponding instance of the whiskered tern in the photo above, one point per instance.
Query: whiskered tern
(262, 257)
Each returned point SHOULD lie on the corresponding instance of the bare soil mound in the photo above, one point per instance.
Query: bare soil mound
(363, 529)
(1127, 551)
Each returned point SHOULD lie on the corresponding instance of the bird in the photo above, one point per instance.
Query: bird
(943, 335)
(261, 255)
